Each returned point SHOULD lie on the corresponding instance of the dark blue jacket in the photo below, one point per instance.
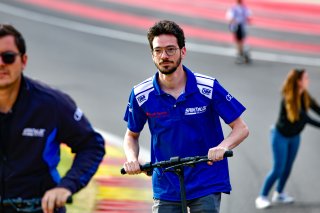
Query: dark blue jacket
(30, 136)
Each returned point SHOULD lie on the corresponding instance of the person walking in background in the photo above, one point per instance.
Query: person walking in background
(183, 109)
(239, 17)
(285, 136)
(34, 120)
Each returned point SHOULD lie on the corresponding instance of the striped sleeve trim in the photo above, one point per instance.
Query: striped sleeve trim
(205, 84)
(142, 90)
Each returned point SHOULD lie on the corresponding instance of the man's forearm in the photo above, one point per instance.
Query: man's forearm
(131, 148)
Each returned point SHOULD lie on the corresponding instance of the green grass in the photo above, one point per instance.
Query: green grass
(83, 201)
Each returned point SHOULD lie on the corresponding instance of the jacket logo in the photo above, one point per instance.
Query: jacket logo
(33, 132)
(78, 114)
(195, 110)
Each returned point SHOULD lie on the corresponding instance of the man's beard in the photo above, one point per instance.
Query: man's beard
(167, 71)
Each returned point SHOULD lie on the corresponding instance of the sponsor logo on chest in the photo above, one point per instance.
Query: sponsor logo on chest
(33, 132)
(157, 114)
(195, 110)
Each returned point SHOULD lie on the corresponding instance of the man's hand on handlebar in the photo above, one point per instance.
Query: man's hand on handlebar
(216, 154)
(132, 167)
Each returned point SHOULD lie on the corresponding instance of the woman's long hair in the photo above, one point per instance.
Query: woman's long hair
(292, 97)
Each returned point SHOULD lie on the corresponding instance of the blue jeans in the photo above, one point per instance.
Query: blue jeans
(206, 204)
(284, 153)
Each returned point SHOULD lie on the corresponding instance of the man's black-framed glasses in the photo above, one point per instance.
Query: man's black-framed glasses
(170, 51)
(8, 57)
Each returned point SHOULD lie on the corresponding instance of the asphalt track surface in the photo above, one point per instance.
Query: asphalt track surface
(97, 50)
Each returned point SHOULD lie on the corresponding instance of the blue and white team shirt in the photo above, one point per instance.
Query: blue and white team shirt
(185, 127)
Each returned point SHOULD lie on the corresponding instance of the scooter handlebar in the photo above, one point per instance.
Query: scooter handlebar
(175, 160)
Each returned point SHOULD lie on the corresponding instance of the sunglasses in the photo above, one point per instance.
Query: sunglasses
(8, 57)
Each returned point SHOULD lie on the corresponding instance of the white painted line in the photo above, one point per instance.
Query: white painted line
(131, 37)
(256, 55)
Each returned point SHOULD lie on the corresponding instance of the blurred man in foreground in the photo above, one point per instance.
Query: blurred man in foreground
(34, 120)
